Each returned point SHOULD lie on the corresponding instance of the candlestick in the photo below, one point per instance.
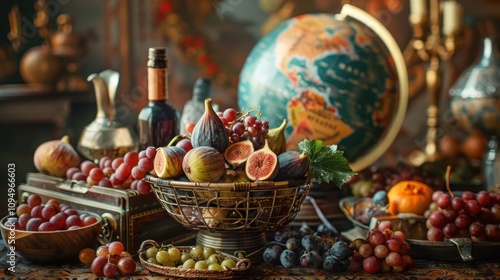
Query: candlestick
(452, 14)
(418, 8)
(15, 35)
(14, 20)
(418, 16)
(430, 47)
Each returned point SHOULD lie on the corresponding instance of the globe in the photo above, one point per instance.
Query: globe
(333, 79)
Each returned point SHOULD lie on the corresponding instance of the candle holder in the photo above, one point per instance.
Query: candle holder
(436, 26)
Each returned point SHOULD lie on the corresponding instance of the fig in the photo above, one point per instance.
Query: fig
(293, 165)
(210, 130)
(276, 138)
(262, 165)
(168, 162)
(185, 144)
(203, 164)
(237, 175)
(55, 157)
(227, 198)
(237, 153)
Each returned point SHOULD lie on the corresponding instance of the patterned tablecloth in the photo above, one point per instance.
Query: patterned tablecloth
(422, 269)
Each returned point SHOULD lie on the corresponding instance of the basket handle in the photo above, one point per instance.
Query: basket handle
(243, 264)
(146, 244)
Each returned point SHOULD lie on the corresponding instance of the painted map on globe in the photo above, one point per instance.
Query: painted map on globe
(331, 79)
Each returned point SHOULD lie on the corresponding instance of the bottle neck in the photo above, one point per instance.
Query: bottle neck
(158, 83)
(158, 102)
(200, 95)
(201, 89)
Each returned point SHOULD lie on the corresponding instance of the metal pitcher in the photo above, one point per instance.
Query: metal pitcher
(106, 136)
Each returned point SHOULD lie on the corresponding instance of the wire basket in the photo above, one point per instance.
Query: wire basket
(231, 207)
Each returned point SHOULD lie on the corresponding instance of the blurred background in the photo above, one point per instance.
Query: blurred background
(209, 38)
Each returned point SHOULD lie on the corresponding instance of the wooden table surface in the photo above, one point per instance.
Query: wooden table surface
(422, 269)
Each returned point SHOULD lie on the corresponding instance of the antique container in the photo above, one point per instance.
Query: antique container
(126, 215)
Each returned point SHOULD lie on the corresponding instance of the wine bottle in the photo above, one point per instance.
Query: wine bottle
(194, 108)
(158, 122)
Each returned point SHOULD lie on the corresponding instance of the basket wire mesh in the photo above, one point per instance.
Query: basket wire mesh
(229, 207)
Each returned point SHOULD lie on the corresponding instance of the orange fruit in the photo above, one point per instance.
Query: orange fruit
(449, 146)
(474, 146)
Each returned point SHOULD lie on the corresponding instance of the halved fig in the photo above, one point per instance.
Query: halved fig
(237, 153)
(262, 165)
(168, 162)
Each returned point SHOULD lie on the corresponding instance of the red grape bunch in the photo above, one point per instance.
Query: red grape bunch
(471, 215)
(242, 126)
(383, 250)
(51, 216)
(125, 172)
(108, 260)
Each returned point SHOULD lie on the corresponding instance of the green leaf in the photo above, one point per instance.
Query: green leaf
(327, 163)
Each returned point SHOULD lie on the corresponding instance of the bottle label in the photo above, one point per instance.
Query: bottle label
(157, 83)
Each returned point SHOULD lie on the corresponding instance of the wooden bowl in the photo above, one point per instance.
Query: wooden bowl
(50, 247)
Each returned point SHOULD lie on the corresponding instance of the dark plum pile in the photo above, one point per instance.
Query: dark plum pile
(305, 247)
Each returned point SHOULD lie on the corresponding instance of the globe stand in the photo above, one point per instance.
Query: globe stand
(249, 244)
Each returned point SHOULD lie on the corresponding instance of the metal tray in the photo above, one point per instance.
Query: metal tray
(453, 250)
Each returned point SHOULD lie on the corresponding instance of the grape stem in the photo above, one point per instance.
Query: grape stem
(448, 171)
(244, 114)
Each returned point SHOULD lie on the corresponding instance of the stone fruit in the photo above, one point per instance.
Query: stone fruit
(210, 130)
(168, 162)
(55, 157)
(237, 153)
(292, 165)
(262, 164)
(204, 164)
(276, 138)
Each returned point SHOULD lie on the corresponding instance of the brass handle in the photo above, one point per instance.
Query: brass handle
(109, 229)
(464, 247)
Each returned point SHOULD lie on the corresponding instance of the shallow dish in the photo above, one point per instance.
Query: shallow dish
(242, 265)
(51, 246)
(454, 250)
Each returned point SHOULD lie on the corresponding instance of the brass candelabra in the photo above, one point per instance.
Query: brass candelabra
(436, 28)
